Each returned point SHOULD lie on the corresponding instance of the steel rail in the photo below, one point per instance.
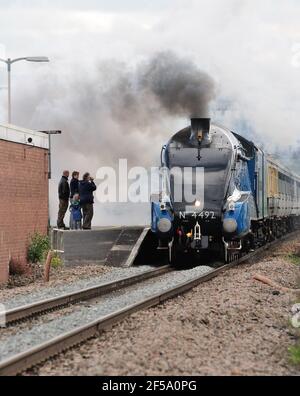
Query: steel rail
(43, 306)
(38, 354)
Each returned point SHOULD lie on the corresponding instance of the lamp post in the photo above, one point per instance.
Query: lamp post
(9, 62)
(50, 133)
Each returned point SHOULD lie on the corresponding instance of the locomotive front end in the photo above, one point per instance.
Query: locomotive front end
(196, 172)
(220, 193)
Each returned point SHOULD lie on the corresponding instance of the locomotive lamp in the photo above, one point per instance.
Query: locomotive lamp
(198, 204)
(163, 206)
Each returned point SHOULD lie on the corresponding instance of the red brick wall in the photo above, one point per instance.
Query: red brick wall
(23, 199)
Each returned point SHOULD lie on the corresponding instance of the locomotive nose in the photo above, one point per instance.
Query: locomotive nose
(230, 226)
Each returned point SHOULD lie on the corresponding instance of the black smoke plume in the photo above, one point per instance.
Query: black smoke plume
(178, 84)
(113, 111)
(117, 111)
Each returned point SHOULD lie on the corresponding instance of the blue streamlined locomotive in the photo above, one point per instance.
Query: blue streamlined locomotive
(220, 193)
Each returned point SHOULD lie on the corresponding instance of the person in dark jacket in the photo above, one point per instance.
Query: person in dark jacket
(86, 192)
(74, 185)
(63, 194)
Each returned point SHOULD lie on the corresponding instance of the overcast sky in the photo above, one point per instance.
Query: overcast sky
(251, 48)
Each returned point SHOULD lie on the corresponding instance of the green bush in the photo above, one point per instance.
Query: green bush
(38, 248)
(56, 261)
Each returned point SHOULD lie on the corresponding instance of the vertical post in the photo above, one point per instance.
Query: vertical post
(48, 266)
(49, 177)
(49, 157)
(9, 90)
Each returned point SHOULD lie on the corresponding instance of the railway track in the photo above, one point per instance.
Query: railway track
(42, 351)
(44, 306)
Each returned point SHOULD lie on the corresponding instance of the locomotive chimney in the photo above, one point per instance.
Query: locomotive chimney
(200, 128)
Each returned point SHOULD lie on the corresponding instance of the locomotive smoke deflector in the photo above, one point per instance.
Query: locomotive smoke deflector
(200, 128)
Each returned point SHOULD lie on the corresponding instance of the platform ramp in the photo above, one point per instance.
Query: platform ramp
(84, 247)
(127, 247)
(117, 247)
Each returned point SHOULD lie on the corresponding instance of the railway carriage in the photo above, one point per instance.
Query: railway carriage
(220, 193)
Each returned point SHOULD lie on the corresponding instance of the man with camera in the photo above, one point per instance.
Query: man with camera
(86, 192)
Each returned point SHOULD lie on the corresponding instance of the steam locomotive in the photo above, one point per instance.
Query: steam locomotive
(220, 193)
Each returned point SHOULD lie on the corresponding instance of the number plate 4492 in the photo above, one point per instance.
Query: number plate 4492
(202, 215)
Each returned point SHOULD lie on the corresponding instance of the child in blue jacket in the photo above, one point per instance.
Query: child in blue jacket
(76, 215)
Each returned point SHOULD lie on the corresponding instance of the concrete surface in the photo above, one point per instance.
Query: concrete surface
(115, 246)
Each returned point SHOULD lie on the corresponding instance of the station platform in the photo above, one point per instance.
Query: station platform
(113, 246)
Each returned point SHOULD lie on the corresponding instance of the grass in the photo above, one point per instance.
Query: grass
(293, 258)
(294, 352)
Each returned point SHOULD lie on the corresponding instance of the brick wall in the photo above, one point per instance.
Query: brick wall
(23, 199)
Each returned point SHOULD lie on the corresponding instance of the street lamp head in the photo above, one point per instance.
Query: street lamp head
(37, 59)
(9, 62)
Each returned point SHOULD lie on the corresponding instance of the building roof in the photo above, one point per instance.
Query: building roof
(29, 137)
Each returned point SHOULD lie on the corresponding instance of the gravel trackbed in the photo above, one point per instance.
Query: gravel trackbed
(231, 325)
(91, 311)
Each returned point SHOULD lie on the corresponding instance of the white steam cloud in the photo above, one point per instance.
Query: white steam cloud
(102, 88)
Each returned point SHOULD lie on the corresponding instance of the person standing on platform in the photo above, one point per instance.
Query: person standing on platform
(74, 190)
(86, 193)
(74, 185)
(63, 195)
